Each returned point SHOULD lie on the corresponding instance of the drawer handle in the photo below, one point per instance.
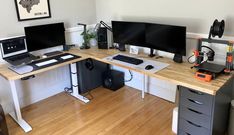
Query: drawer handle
(194, 111)
(193, 124)
(196, 92)
(196, 102)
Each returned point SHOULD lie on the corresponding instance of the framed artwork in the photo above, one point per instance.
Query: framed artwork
(32, 9)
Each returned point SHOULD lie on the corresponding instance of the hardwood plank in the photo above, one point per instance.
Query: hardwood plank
(109, 113)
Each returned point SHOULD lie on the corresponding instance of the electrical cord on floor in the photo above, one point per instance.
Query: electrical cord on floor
(68, 90)
(130, 72)
(88, 93)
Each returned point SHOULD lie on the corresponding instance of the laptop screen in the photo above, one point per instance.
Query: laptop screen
(13, 46)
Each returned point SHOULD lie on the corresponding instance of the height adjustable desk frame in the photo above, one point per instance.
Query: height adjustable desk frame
(17, 115)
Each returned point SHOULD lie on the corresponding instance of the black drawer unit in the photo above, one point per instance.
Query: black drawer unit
(203, 114)
(196, 117)
(195, 105)
(192, 128)
(196, 97)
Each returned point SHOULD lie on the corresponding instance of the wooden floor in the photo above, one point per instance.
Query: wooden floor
(110, 113)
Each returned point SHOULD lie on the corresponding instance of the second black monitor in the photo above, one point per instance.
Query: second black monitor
(167, 38)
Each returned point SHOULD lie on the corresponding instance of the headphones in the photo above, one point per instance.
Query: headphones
(89, 64)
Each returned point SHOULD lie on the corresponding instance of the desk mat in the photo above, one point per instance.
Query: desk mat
(33, 67)
(157, 65)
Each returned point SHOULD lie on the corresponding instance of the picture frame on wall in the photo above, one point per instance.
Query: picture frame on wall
(32, 9)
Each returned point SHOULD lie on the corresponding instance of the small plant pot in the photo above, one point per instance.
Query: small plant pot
(93, 42)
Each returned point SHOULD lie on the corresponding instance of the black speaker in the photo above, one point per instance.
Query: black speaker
(3, 125)
(102, 38)
(113, 79)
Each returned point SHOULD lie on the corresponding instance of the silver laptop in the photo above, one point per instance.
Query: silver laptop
(14, 51)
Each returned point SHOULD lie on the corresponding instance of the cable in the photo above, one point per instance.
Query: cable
(88, 93)
(130, 75)
(68, 90)
(207, 48)
(190, 58)
(210, 55)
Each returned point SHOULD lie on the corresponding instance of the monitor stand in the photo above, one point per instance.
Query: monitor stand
(122, 47)
(151, 53)
(178, 58)
(52, 53)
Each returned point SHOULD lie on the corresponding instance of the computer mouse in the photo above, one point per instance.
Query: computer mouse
(149, 67)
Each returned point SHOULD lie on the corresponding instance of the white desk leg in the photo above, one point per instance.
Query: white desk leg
(16, 115)
(75, 92)
(145, 86)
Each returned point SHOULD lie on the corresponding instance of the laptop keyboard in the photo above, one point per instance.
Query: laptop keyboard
(20, 57)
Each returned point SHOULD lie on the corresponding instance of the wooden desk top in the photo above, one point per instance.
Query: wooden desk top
(8, 74)
(179, 74)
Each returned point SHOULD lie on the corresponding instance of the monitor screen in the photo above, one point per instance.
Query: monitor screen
(44, 36)
(166, 38)
(13, 46)
(132, 33)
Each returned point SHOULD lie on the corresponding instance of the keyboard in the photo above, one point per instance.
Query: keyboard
(20, 57)
(53, 53)
(44, 63)
(128, 59)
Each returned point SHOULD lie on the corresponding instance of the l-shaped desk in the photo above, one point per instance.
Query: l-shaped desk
(199, 100)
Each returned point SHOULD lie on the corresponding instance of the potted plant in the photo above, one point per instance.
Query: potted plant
(89, 38)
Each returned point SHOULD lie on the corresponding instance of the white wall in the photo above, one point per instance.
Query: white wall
(70, 12)
(51, 82)
(197, 15)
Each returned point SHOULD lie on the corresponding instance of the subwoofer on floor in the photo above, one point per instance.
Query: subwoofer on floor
(113, 79)
(3, 125)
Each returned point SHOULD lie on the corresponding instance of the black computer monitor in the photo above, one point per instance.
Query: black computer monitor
(166, 38)
(45, 36)
(132, 33)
